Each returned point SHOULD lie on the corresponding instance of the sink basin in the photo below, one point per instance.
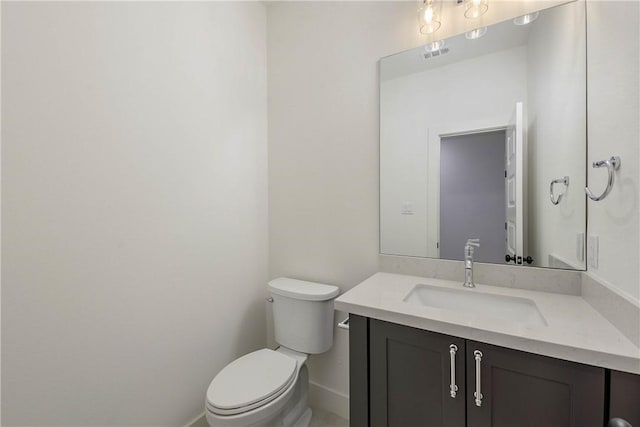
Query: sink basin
(472, 301)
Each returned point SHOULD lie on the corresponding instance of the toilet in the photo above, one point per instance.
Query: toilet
(269, 387)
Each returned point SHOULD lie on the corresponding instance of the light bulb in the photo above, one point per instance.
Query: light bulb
(428, 14)
(476, 8)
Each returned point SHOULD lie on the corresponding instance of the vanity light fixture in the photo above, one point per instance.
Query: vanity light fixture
(475, 8)
(429, 15)
(475, 34)
(526, 19)
(433, 46)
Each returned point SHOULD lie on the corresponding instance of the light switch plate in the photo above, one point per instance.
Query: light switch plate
(407, 208)
(592, 251)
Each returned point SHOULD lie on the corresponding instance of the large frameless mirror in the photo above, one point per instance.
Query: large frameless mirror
(486, 138)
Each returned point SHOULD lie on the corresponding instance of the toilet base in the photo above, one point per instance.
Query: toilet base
(295, 412)
(305, 419)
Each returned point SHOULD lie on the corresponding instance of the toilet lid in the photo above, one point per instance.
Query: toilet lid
(251, 379)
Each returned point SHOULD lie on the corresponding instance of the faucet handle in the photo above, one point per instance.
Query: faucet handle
(473, 242)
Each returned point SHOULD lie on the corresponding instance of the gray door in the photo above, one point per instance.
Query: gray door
(472, 195)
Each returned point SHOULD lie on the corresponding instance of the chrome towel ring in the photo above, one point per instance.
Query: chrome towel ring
(613, 164)
(555, 200)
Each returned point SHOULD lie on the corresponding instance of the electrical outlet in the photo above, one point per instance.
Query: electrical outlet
(592, 251)
(580, 247)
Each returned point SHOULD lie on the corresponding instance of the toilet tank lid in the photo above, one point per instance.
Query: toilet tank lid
(303, 290)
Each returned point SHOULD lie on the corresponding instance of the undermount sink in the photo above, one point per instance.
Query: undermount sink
(472, 301)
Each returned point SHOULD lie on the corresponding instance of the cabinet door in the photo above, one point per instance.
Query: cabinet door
(527, 390)
(410, 377)
(625, 397)
(358, 371)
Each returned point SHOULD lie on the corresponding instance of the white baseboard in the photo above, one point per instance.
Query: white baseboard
(328, 399)
(199, 421)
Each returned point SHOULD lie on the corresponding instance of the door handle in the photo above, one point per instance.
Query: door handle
(453, 388)
(478, 393)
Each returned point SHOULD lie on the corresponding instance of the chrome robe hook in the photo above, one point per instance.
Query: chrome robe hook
(613, 164)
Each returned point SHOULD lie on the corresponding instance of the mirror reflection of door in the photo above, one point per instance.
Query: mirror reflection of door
(515, 187)
(472, 194)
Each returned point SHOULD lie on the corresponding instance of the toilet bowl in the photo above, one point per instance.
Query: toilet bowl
(263, 388)
(269, 387)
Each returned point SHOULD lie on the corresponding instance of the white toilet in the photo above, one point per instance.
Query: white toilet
(269, 387)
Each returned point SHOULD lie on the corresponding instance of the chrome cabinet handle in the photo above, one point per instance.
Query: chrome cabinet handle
(453, 388)
(478, 393)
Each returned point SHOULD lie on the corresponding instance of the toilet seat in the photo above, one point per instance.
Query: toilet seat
(250, 382)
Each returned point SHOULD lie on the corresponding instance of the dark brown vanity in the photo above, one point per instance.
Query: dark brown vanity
(404, 376)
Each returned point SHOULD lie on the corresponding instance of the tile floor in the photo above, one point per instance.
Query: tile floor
(322, 418)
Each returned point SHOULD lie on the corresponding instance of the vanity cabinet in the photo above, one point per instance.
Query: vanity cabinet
(624, 402)
(410, 377)
(421, 378)
(527, 390)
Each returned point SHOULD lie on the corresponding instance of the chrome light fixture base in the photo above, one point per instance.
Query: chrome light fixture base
(526, 19)
(476, 34)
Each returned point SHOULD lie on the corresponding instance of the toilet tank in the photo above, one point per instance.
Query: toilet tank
(303, 314)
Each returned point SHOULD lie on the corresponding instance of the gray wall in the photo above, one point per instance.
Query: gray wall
(472, 195)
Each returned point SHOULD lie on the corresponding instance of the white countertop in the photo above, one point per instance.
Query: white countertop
(575, 331)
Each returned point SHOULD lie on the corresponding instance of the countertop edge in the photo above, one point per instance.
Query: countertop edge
(544, 348)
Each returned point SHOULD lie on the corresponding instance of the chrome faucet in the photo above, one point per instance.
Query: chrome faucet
(468, 262)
